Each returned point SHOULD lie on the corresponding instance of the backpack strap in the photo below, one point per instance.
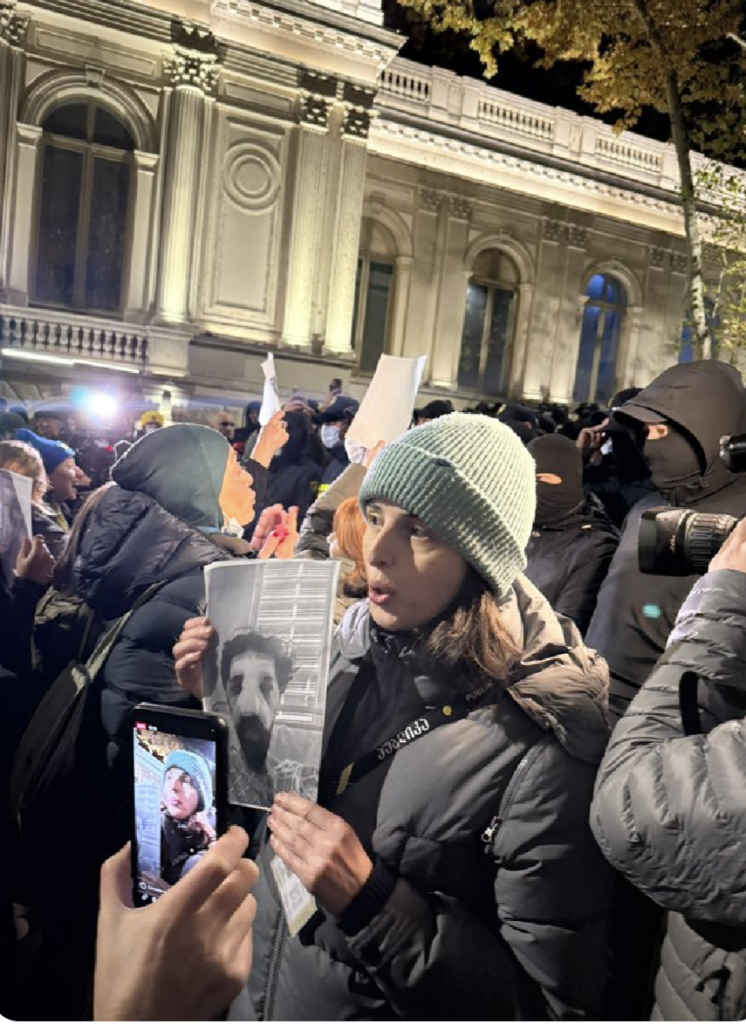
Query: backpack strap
(103, 648)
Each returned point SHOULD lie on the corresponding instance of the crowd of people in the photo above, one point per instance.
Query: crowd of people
(553, 825)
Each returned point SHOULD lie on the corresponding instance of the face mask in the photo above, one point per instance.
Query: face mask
(556, 501)
(330, 435)
(674, 466)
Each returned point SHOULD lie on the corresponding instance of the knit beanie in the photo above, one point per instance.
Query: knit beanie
(198, 771)
(472, 482)
(182, 468)
(9, 423)
(53, 453)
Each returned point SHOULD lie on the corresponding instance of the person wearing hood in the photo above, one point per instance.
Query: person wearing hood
(680, 418)
(449, 853)
(295, 471)
(62, 475)
(573, 540)
(335, 422)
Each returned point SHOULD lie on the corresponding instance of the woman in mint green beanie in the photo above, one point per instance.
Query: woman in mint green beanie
(449, 853)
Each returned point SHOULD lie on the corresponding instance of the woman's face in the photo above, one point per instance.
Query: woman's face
(180, 795)
(237, 499)
(412, 575)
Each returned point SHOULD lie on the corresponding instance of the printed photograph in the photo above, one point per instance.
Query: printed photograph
(268, 673)
(15, 518)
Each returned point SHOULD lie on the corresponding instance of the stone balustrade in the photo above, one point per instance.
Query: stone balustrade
(73, 338)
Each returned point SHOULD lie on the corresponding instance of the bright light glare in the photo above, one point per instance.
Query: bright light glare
(100, 404)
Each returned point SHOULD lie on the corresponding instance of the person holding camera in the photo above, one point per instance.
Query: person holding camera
(680, 418)
(670, 807)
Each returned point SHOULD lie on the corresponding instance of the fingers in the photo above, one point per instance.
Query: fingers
(270, 545)
(116, 879)
(192, 891)
(200, 622)
(291, 523)
(294, 804)
(296, 833)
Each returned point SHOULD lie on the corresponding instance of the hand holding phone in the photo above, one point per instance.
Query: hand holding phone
(155, 963)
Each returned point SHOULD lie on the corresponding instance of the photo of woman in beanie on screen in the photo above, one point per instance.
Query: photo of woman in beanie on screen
(453, 869)
(187, 822)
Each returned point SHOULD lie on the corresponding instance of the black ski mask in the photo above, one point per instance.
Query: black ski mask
(556, 502)
(674, 466)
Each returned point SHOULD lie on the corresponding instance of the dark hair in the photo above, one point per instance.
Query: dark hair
(471, 642)
(258, 643)
(62, 578)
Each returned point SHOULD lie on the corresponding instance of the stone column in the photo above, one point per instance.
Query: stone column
(136, 304)
(348, 221)
(307, 218)
(28, 137)
(561, 380)
(192, 76)
(451, 297)
(627, 356)
(402, 281)
(429, 239)
(13, 27)
(521, 333)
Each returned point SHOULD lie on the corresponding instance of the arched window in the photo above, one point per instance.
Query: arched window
(374, 293)
(82, 209)
(686, 352)
(487, 336)
(603, 315)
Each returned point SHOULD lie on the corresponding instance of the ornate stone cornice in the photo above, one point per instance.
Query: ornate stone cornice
(658, 258)
(13, 26)
(554, 230)
(461, 209)
(193, 69)
(679, 263)
(431, 200)
(356, 124)
(577, 236)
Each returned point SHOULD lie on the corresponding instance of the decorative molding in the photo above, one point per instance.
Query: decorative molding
(191, 69)
(251, 177)
(314, 111)
(554, 230)
(461, 208)
(356, 124)
(658, 258)
(679, 263)
(94, 76)
(13, 26)
(577, 236)
(431, 200)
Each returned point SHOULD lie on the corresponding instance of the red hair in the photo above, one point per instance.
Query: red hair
(349, 527)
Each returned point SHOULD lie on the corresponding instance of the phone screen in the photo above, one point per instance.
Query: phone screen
(176, 805)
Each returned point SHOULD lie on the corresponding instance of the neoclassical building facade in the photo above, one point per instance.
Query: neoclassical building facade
(185, 184)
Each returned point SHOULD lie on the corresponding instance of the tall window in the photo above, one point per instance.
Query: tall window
(486, 340)
(374, 293)
(83, 198)
(686, 352)
(603, 315)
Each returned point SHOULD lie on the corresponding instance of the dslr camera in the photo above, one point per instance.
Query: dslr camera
(680, 542)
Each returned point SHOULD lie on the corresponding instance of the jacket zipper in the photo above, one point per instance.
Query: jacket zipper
(506, 803)
(274, 967)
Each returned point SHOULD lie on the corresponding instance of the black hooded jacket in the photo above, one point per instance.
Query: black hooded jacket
(295, 473)
(635, 613)
(568, 560)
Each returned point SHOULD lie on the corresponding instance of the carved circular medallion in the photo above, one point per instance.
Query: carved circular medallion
(251, 176)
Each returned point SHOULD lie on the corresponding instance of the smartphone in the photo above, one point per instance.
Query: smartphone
(180, 790)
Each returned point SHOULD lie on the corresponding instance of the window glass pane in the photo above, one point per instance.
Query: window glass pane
(109, 131)
(595, 289)
(497, 342)
(471, 339)
(58, 226)
(69, 120)
(376, 315)
(588, 336)
(106, 236)
(606, 382)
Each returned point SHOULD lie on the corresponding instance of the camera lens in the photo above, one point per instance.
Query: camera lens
(679, 542)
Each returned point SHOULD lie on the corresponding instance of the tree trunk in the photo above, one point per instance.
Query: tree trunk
(702, 343)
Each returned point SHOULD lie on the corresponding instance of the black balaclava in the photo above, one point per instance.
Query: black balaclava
(675, 466)
(555, 502)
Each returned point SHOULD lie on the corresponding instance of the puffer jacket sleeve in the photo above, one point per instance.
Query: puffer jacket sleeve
(553, 893)
(317, 524)
(670, 810)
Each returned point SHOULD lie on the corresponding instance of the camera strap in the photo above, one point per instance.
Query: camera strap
(431, 719)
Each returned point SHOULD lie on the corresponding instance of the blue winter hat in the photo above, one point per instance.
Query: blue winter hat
(198, 771)
(53, 453)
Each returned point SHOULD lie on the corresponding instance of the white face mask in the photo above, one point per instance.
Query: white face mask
(329, 435)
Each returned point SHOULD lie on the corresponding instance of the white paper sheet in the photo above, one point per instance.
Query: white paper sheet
(15, 518)
(386, 410)
(271, 398)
